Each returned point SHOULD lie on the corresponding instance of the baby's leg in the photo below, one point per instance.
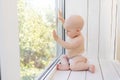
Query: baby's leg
(79, 64)
(64, 60)
(64, 63)
(91, 68)
(82, 67)
(79, 59)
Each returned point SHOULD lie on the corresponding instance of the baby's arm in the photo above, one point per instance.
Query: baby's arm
(64, 44)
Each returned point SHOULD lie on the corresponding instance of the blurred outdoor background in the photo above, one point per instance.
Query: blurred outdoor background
(36, 20)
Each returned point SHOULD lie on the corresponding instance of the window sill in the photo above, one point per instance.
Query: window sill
(105, 70)
(49, 71)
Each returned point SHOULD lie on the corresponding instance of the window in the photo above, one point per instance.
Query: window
(37, 19)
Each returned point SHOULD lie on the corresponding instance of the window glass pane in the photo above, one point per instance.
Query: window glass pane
(37, 47)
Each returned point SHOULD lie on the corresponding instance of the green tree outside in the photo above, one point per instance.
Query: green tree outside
(37, 47)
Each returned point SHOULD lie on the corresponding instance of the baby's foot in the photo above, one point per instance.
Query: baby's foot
(92, 68)
(62, 67)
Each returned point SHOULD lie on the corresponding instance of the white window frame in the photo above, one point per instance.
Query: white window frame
(9, 40)
(60, 4)
(117, 56)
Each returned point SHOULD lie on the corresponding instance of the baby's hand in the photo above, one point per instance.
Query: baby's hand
(55, 36)
(60, 15)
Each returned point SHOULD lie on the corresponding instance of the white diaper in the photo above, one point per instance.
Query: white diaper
(71, 59)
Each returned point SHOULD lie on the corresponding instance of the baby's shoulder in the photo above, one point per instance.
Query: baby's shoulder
(80, 37)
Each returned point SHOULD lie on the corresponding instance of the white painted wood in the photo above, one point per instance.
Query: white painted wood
(109, 72)
(105, 70)
(93, 27)
(113, 27)
(60, 75)
(77, 75)
(105, 30)
(51, 74)
(78, 7)
(97, 75)
(118, 32)
(117, 66)
(9, 40)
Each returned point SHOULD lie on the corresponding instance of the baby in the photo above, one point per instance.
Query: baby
(74, 59)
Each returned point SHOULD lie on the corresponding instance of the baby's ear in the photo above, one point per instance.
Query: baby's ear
(78, 30)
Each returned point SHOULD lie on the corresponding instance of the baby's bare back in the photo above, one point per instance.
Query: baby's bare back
(78, 50)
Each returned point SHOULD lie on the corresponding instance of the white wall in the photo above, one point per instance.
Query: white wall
(9, 49)
(99, 28)
(118, 31)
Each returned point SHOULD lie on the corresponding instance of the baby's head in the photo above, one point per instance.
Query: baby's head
(74, 21)
(73, 25)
